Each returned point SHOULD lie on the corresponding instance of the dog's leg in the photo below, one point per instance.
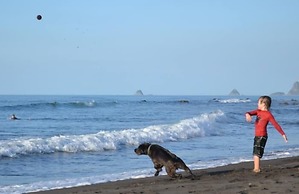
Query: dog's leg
(171, 171)
(158, 167)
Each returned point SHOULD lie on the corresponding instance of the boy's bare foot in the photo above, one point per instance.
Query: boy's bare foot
(256, 170)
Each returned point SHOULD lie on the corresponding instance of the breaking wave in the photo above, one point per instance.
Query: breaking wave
(111, 140)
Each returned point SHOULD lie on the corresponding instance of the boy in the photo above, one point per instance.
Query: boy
(263, 116)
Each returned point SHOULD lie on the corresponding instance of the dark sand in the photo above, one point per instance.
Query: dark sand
(277, 176)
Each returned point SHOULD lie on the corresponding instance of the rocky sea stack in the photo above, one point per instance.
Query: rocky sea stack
(234, 92)
(295, 89)
(139, 93)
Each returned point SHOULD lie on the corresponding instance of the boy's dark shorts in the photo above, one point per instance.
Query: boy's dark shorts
(259, 145)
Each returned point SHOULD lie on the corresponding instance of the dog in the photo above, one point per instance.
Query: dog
(163, 157)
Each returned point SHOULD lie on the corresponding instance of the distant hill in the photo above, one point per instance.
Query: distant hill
(295, 89)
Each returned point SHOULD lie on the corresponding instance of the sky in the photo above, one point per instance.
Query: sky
(162, 47)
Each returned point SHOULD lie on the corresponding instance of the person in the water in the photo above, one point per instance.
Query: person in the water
(13, 117)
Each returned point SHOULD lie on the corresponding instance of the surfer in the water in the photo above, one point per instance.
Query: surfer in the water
(13, 117)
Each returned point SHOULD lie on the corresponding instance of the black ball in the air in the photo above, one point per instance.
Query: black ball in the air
(39, 17)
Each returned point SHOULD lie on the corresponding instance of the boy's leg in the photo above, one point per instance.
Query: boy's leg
(258, 151)
(256, 160)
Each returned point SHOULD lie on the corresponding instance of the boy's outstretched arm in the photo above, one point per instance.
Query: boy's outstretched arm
(285, 138)
(248, 117)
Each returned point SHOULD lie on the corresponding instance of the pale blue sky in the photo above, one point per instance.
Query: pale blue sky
(163, 47)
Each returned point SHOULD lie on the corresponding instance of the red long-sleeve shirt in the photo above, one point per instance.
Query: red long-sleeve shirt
(262, 120)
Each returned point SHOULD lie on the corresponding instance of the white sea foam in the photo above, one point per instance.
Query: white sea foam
(67, 183)
(110, 140)
(148, 172)
(233, 100)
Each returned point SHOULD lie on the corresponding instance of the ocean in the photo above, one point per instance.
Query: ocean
(66, 141)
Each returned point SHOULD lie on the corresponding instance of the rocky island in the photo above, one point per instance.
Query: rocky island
(234, 92)
(295, 89)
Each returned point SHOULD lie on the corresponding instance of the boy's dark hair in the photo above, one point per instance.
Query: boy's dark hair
(266, 100)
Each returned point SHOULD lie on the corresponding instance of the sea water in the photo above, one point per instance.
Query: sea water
(65, 141)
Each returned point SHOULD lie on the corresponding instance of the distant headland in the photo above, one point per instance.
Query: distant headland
(294, 91)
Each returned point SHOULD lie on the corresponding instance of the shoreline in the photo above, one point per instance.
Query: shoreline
(277, 176)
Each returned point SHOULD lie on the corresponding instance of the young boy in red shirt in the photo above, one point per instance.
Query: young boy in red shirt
(263, 116)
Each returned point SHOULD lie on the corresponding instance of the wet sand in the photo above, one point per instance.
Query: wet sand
(277, 176)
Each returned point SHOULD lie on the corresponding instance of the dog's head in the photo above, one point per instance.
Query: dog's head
(142, 149)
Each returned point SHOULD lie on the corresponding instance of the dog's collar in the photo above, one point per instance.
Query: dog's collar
(148, 149)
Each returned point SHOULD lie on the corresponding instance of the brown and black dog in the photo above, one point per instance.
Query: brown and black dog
(163, 157)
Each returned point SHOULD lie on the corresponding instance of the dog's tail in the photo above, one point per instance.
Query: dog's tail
(187, 169)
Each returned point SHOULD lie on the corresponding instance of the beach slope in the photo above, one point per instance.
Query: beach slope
(277, 176)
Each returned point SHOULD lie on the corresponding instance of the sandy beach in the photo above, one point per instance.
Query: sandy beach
(277, 176)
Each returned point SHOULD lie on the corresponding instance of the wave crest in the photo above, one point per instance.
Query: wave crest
(111, 140)
(232, 100)
(74, 104)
